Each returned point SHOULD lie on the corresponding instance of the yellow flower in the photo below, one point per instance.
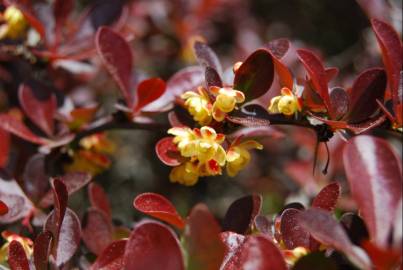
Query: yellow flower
(238, 156)
(16, 23)
(292, 256)
(226, 100)
(186, 174)
(26, 243)
(198, 105)
(286, 104)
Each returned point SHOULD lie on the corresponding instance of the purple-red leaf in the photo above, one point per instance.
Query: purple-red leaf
(375, 177)
(212, 77)
(255, 76)
(97, 231)
(324, 228)
(112, 257)
(204, 248)
(17, 258)
(241, 214)
(117, 57)
(339, 101)
(67, 240)
(153, 246)
(4, 147)
(278, 47)
(207, 57)
(38, 107)
(327, 197)
(42, 248)
(159, 207)
(369, 86)
(61, 11)
(391, 46)
(34, 179)
(16, 127)
(73, 182)
(317, 74)
(148, 91)
(292, 233)
(257, 252)
(99, 199)
(167, 152)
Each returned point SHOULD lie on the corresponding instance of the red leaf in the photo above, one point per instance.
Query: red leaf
(204, 247)
(97, 231)
(339, 101)
(292, 233)
(3, 208)
(99, 199)
(61, 11)
(317, 74)
(324, 228)
(73, 182)
(117, 57)
(148, 91)
(255, 76)
(375, 177)
(17, 258)
(212, 77)
(167, 152)
(154, 247)
(391, 46)
(16, 127)
(241, 214)
(184, 80)
(331, 73)
(278, 47)
(4, 147)
(207, 57)
(112, 257)
(35, 179)
(369, 86)
(327, 197)
(42, 248)
(18, 204)
(66, 242)
(257, 252)
(159, 207)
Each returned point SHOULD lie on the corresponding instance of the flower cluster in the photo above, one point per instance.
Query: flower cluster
(287, 103)
(9, 236)
(205, 155)
(213, 104)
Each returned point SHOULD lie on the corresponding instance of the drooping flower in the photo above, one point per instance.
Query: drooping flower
(225, 102)
(15, 23)
(186, 174)
(238, 156)
(26, 243)
(287, 103)
(198, 105)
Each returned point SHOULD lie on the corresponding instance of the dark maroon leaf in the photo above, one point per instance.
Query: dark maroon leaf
(42, 248)
(205, 250)
(148, 91)
(73, 181)
(375, 177)
(17, 258)
(40, 109)
(117, 57)
(97, 230)
(155, 247)
(167, 152)
(18, 204)
(324, 228)
(67, 240)
(249, 121)
(241, 214)
(212, 77)
(61, 11)
(391, 46)
(159, 207)
(105, 12)
(16, 127)
(278, 47)
(339, 101)
(99, 199)
(35, 180)
(327, 197)
(258, 253)
(315, 260)
(207, 57)
(186, 79)
(4, 147)
(292, 233)
(369, 86)
(355, 228)
(317, 74)
(255, 76)
(112, 257)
